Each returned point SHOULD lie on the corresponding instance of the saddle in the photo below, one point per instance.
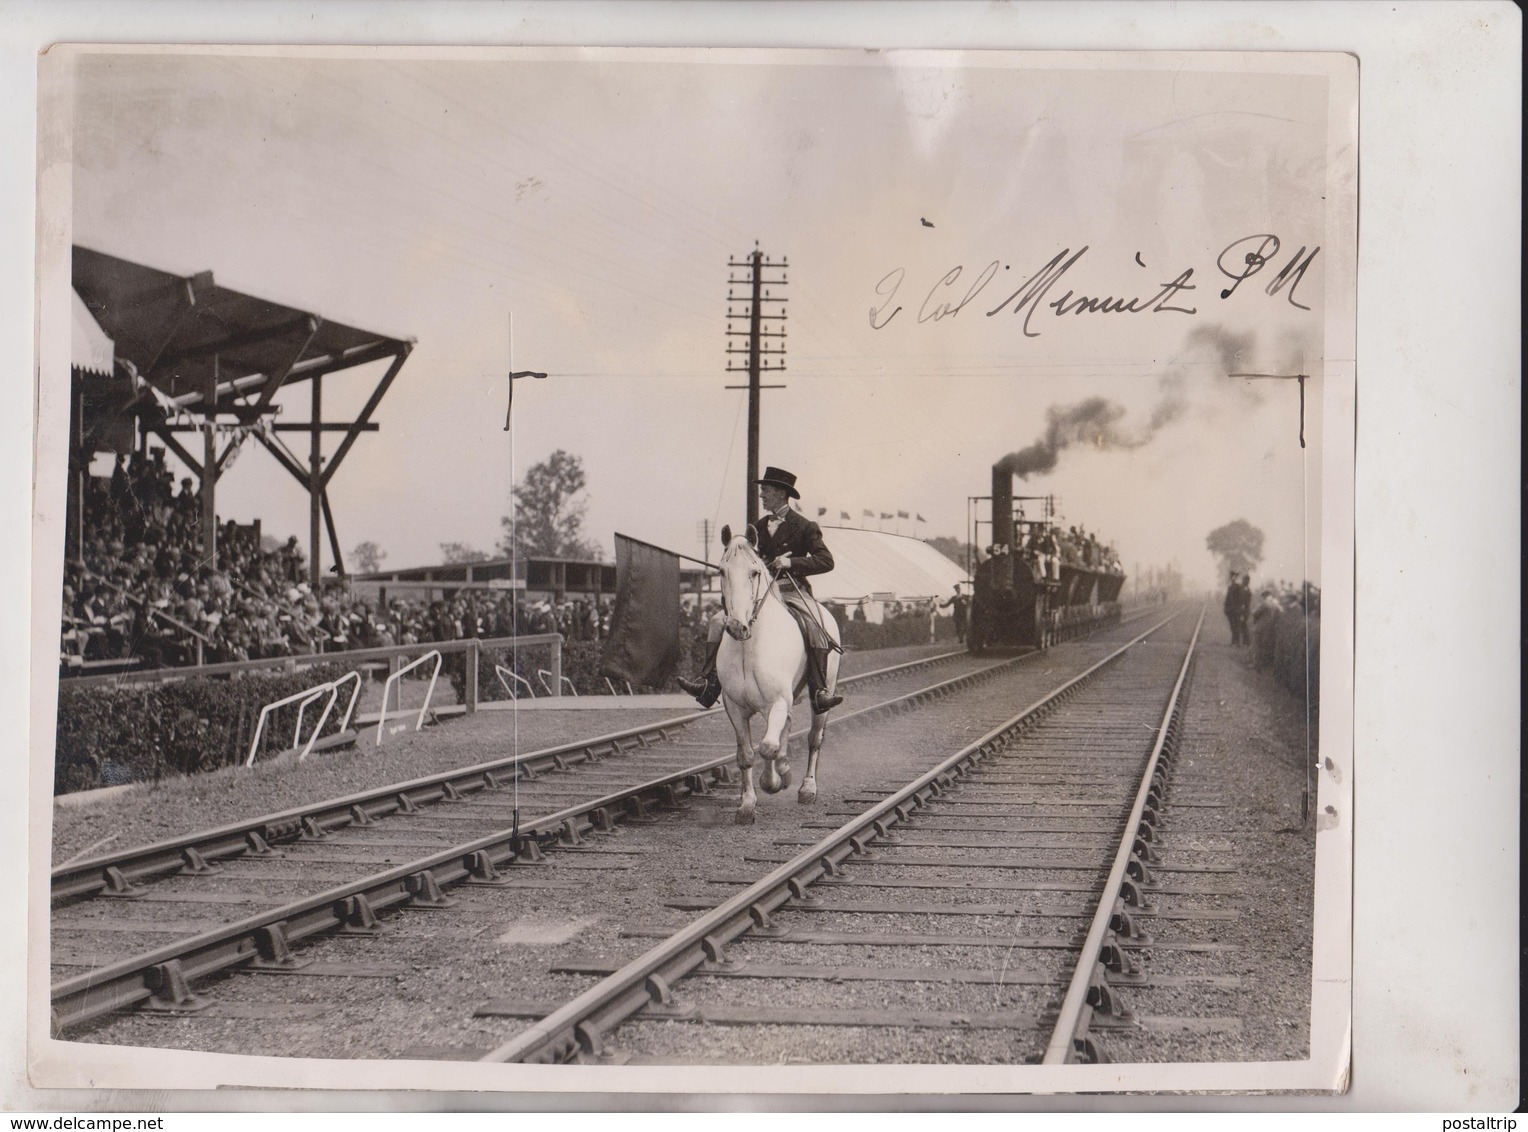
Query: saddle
(806, 614)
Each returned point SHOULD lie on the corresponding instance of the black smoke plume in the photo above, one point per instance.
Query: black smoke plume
(1211, 354)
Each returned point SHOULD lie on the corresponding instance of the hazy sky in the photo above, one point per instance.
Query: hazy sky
(600, 200)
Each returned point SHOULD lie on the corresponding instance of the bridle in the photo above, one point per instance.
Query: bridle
(741, 630)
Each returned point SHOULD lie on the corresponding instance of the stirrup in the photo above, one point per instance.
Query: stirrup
(706, 692)
(822, 702)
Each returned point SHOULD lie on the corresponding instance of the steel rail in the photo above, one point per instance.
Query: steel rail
(577, 1026)
(264, 938)
(1071, 1016)
(118, 872)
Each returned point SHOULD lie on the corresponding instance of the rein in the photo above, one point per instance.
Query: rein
(743, 629)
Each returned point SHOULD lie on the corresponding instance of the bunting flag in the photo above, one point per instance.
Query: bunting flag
(821, 511)
(886, 515)
(902, 515)
(844, 515)
(870, 514)
(643, 645)
(921, 519)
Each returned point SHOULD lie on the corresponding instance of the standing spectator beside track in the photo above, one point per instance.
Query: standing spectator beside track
(960, 607)
(1237, 604)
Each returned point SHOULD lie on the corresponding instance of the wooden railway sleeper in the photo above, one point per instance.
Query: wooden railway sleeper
(273, 951)
(172, 991)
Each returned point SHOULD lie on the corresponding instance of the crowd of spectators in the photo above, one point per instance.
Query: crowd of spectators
(143, 592)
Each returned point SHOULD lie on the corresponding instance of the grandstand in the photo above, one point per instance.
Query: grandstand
(151, 575)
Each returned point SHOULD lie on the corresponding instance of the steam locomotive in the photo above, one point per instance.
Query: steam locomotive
(1020, 600)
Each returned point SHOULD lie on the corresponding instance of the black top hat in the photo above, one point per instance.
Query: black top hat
(781, 479)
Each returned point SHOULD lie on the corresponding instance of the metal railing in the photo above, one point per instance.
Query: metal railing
(433, 654)
(303, 699)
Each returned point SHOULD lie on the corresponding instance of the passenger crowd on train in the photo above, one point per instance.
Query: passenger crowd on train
(141, 588)
(1045, 549)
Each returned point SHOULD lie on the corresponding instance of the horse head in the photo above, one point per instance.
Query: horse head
(745, 582)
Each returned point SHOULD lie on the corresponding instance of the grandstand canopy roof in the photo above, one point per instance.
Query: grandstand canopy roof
(869, 563)
(90, 349)
(182, 332)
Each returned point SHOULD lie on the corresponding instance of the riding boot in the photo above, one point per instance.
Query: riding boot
(708, 686)
(817, 681)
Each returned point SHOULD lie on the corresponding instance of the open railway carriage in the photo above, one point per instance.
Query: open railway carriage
(1014, 603)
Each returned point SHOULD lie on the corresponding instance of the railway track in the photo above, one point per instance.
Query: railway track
(246, 920)
(1036, 843)
(434, 833)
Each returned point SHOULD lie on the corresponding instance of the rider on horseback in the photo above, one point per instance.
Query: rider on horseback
(792, 545)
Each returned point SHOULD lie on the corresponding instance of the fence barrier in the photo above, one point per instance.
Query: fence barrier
(433, 654)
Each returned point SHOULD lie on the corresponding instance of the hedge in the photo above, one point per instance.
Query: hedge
(1289, 644)
(142, 733)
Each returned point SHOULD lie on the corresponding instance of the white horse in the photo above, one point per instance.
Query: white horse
(762, 667)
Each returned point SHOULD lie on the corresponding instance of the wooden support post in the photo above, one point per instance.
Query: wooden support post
(315, 486)
(209, 473)
(473, 660)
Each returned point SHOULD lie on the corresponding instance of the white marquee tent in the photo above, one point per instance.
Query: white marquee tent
(876, 567)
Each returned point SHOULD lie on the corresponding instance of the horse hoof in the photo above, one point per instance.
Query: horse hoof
(744, 817)
(785, 778)
(807, 794)
(770, 782)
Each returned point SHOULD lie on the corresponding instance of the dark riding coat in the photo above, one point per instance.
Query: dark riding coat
(801, 539)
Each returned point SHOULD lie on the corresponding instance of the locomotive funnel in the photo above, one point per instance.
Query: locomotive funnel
(1002, 504)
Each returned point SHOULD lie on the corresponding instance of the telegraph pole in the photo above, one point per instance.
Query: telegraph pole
(757, 350)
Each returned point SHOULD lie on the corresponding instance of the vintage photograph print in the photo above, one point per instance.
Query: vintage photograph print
(556, 564)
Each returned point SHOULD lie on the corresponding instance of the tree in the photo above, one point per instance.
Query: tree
(1238, 545)
(368, 557)
(457, 553)
(549, 513)
(956, 550)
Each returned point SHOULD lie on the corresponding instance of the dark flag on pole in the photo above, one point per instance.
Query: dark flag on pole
(643, 646)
